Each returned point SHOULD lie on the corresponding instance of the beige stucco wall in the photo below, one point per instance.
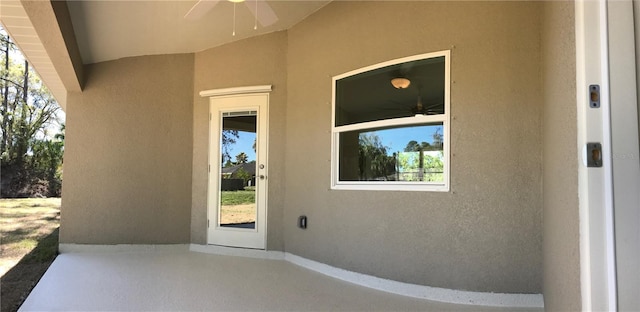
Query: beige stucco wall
(127, 174)
(484, 235)
(560, 164)
(136, 154)
(255, 61)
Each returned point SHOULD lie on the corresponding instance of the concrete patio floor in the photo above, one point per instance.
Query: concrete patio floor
(191, 281)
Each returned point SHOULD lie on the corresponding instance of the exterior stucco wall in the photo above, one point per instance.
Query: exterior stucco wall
(484, 235)
(255, 61)
(127, 174)
(560, 165)
(137, 145)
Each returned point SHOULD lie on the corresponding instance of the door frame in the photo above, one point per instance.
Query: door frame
(604, 46)
(213, 179)
(625, 149)
(595, 186)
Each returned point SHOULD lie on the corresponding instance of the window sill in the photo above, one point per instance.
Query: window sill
(412, 187)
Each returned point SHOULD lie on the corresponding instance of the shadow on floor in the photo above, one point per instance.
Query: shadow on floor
(17, 283)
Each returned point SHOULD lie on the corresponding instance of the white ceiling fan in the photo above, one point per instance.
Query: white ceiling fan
(259, 8)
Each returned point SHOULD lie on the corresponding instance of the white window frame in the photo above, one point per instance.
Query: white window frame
(443, 186)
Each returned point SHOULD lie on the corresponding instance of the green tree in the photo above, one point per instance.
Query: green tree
(28, 155)
(374, 162)
(241, 158)
(418, 165)
(242, 174)
(413, 146)
(47, 163)
(228, 138)
(433, 167)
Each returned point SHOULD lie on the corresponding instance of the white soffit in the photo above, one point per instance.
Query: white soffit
(19, 27)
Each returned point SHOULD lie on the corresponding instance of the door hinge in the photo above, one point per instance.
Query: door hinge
(207, 222)
(209, 168)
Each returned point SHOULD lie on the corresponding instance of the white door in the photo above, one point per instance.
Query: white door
(609, 195)
(623, 40)
(237, 204)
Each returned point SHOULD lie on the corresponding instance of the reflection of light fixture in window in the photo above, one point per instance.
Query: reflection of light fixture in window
(400, 83)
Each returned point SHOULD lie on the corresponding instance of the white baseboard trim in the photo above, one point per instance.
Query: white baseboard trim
(421, 291)
(386, 285)
(121, 248)
(238, 252)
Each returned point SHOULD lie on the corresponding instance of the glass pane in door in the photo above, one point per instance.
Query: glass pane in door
(237, 207)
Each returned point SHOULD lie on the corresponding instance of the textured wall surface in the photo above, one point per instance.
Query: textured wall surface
(136, 161)
(127, 174)
(559, 129)
(256, 61)
(484, 235)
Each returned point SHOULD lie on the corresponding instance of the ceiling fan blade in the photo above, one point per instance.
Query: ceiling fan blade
(200, 9)
(265, 14)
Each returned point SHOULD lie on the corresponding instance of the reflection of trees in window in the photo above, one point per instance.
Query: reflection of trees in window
(374, 162)
(411, 167)
(437, 140)
(382, 139)
(242, 174)
(228, 138)
(242, 158)
(429, 167)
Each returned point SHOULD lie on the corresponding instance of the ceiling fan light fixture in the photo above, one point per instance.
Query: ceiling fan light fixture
(400, 83)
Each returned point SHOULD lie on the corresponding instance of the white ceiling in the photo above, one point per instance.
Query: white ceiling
(108, 29)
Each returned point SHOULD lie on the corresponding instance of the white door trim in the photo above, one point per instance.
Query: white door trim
(255, 238)
(595, 186)
(625, 151)
(236, 90)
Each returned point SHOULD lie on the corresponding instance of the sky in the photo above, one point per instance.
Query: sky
(397, 139)
(243, 144)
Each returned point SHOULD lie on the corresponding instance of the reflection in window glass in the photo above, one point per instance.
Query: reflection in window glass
(390, 126)
(369, 96)
(237, 206)
(406, 153)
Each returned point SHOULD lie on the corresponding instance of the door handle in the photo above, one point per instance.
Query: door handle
(262, 177)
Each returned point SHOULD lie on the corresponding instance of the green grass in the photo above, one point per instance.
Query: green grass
(45, 250)
(238, 197)
(29, 244)
(27, 225)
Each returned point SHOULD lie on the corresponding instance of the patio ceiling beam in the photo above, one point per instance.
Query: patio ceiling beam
(44, 33)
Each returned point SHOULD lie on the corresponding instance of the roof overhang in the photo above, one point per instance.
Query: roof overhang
(44, 33)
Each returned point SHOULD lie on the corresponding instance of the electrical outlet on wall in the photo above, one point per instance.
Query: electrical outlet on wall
(302, 222)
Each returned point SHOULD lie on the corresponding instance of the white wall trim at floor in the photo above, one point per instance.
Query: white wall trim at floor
(386, 285)
(238, 252)
(421, 291)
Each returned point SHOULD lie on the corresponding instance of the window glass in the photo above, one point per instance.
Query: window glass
(393, 154)
(370, 96)
(390, 126)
